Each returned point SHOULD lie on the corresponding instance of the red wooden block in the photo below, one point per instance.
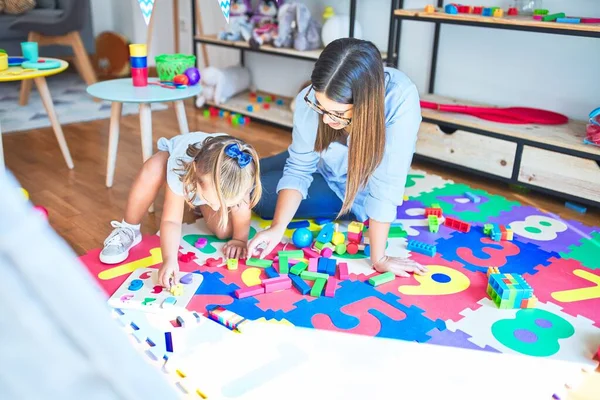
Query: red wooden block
(463, 9)
(266, 106)
(433, 211)
(354, 237)
(513, 11)
(477, 10)
(457, 224)
(352, 248)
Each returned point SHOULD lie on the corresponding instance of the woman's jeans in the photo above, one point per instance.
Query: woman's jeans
(321, 202)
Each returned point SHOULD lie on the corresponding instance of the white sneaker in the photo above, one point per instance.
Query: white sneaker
(118, 243)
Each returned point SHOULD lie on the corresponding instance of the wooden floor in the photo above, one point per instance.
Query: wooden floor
(81, 207)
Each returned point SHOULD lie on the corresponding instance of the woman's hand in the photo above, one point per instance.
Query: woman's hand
(167, 274)
(399, 266)
(235, 248)
(264, 242)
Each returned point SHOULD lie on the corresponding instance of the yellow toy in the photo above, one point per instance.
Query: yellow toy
(177, 290)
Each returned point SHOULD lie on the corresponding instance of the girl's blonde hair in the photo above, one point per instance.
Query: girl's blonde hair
(225, 160)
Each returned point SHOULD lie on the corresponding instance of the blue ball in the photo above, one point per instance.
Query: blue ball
(302, 237)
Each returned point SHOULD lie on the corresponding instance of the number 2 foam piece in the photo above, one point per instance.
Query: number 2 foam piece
(330, 287)
(382, 278)
(249, 291)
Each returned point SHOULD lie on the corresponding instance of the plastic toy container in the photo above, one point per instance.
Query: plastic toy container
(169, 65)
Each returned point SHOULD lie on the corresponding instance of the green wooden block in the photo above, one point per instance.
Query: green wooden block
(317, 288)
(382, 278)
(284, 266)
(487, 228)
(313, 276)
(553, 17)
(291, 254)
(257, 262)
(340, 249)
(319, 245)
(397, 232)
(298, 268)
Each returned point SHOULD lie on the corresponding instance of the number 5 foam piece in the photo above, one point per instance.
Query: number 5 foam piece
(151, 296)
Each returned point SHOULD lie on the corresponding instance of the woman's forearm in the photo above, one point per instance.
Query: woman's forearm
(170, 234)
(288, 202)
(378, 235)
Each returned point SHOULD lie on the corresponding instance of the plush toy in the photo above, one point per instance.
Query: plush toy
(221, 84)
(240, 26)
(265, 23)
(297, 28)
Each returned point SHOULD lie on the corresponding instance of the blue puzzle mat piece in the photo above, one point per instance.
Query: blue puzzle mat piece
(212, 284)
(510, 256)
(411, 326)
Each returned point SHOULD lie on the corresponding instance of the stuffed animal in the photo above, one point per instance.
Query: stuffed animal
(265, 23)
(297, 28)
(221, 84)
(240, 26)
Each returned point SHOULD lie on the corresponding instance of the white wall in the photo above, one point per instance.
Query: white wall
(488, 65)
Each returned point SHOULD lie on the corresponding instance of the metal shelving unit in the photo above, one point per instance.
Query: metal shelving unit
(567, 167)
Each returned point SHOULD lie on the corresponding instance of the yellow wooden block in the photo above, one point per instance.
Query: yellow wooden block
(498, 13)
(338, 238)
(355, 227)
(232, 264)
(177, 290)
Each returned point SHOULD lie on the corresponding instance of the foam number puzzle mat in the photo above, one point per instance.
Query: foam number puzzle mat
(142, 291)
(473, 230)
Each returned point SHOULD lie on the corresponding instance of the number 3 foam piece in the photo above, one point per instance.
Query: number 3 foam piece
(141, 291)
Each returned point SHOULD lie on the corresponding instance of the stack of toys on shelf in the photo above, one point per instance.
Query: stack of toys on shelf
(497, 12)
(234, 119)
(264, 100)
(509, 291)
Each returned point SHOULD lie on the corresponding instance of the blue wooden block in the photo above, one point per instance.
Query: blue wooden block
(331, 266)
(321, 221)
(299, 284)
(271, 272)
(279, 102)
(473, 197)
(322, 265)
(298, 224)
(420, 247)
(169, 342)
(568, 20)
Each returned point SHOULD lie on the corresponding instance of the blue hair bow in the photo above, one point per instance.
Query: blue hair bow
(233, 151)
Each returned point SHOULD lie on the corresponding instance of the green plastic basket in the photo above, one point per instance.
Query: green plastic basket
(169, 65)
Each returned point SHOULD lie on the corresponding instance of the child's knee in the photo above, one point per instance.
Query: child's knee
(223, 233)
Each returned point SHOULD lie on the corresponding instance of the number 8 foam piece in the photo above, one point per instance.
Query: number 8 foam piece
(542, 332)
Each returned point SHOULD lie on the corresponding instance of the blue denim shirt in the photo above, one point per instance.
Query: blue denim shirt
(385, 188)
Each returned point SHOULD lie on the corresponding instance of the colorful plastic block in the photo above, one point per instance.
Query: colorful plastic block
(322, 221)
(509, 290)
(473, 197)
(290, 254)
(317, 288)
(232, 264)
(569, 20)
(338, 238)
(284, 266)
(310, 253)
(298, 268)
(576, 207)
(429, 8)
(457, 224)
(380, 279)
(487, 12)
(513, 11)
(271, 272)
(354, 237)
(330, 287)
(451, 9)
(298, 224)
(540, 11)
(553, 17)
(169, 342)
(487, 229)
(319, 245)
(299, 284)
(276, 284)
(322, 265)
(420, 247)
(492, 270)
(477, 10)
(433, 211)
(343, 271)
(356, 227)
(249, 291)
(509, 234)
(352, 248)
(434, 223)
(201, 243)
(257, 262)
(279, 102)
(313, 276)
(498, 13)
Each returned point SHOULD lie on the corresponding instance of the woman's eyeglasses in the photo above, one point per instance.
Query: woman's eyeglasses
(320, 110)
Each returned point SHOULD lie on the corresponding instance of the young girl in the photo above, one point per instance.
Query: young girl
(218, 173)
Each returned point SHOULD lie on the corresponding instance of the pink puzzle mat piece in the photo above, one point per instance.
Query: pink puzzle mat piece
(443, 292)
(570, 285)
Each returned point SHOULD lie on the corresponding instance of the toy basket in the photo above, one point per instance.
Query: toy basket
(169, 65)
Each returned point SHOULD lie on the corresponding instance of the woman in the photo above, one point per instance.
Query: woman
(354, 136)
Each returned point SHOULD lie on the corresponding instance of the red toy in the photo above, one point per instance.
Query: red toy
(181, 80)
(457, 224)
(433, 211)
(513, 11)
(187, 257)
(477, 10)
(212, 263)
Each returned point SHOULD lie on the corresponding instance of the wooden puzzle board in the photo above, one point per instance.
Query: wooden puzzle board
(152, 297)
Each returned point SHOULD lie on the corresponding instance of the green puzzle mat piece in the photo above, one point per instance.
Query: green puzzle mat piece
(491, 208)
(587, 253)
(209, 248)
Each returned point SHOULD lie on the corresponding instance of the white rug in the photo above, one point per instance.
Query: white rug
(71, 102)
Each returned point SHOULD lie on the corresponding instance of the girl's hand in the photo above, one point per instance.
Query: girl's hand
(264, 242)
(399, 266)
(167, 274)
(235, 248)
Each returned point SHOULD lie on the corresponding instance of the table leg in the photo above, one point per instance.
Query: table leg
(42, 87)
(1, 152)
(181, 117)
(113, 141)
(146, 134)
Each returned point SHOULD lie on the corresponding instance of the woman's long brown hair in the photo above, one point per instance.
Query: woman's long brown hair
(350, 71)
